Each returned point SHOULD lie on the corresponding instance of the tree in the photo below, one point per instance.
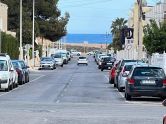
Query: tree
(116, 28)
(155, 37)
(10, 45)
(48, 21)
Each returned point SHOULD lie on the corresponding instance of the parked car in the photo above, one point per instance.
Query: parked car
(100, 61)
(21, 72)
(58, 59)
(145, 80)
(6, 72)
(47, 63)
(99, 56)
(112, 72)
(65, 57)
(82, 60)
(107, 63)
(119, 68)
(25, 68)
(123, 75)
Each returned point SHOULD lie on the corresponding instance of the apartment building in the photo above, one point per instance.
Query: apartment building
(3, 17)
(157, 12)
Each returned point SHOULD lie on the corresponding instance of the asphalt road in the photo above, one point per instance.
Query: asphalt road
(75, 95)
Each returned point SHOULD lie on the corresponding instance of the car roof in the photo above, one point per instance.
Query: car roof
(135, 63)
(146, 65)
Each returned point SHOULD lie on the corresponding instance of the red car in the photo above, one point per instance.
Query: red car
(112, 73)
(164, 118)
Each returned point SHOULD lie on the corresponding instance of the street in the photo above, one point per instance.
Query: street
(75, 95)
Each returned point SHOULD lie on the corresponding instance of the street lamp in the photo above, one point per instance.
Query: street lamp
(33, 35)
(21, 49)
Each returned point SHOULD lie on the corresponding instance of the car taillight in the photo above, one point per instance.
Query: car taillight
(164, 82)
(113, 72)
(130, 81)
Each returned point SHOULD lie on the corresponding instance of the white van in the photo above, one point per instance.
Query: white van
(7, 72)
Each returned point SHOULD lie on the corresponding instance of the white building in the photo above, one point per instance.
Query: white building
(158, 12)
(3, 17)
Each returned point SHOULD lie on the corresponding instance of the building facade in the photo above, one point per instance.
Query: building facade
(158, 12)
(3, 17)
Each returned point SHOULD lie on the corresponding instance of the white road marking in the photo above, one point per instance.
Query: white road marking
(22, 85)
(107, 78)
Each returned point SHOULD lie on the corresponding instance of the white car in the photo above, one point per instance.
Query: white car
(7, 73)
(58, 59)
(82, 60)
(75, 53)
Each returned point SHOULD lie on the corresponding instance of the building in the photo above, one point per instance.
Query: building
(3, 17)
(158, 12)
(134, 47)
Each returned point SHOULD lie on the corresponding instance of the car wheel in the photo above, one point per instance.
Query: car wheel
(127, 96)
(120, 89)
(11, 87)
(112, 81)
(114, 85)
(7, 89)
(77, 64)
(16, 85)
(163, 98)
(62, 65)
(102, 69)
(86, 64)
(28, 78)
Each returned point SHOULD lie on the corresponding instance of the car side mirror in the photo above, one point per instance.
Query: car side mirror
(164, 103)
(124, 74)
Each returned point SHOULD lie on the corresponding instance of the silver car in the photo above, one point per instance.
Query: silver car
(47, 63)
(123, 75)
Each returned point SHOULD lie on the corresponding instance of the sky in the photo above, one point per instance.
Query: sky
(95, 16)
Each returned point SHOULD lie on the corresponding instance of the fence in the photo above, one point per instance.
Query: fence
(159, 60)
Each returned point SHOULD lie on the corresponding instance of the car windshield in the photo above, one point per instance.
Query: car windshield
(3, 65)
(149, 72)
(128, 67)
(22, 64)
(108, 59)
(16, 65)
(57, 56)
(46, 59)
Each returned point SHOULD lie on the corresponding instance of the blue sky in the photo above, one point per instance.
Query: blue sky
(95, 16)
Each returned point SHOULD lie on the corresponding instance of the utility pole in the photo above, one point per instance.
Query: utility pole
(21, 49)
(33, 35)
(106, 37)
(139, 26)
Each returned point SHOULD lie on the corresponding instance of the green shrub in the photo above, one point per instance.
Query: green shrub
(10, 45)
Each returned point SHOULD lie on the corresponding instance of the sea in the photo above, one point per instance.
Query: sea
(88, 38)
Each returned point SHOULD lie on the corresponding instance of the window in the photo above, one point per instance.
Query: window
(3, 65)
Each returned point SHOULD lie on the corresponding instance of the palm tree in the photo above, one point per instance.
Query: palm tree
(116, 28)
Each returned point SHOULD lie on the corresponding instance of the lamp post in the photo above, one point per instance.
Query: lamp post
(139, 26)
(21, 49)
(33, 35)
